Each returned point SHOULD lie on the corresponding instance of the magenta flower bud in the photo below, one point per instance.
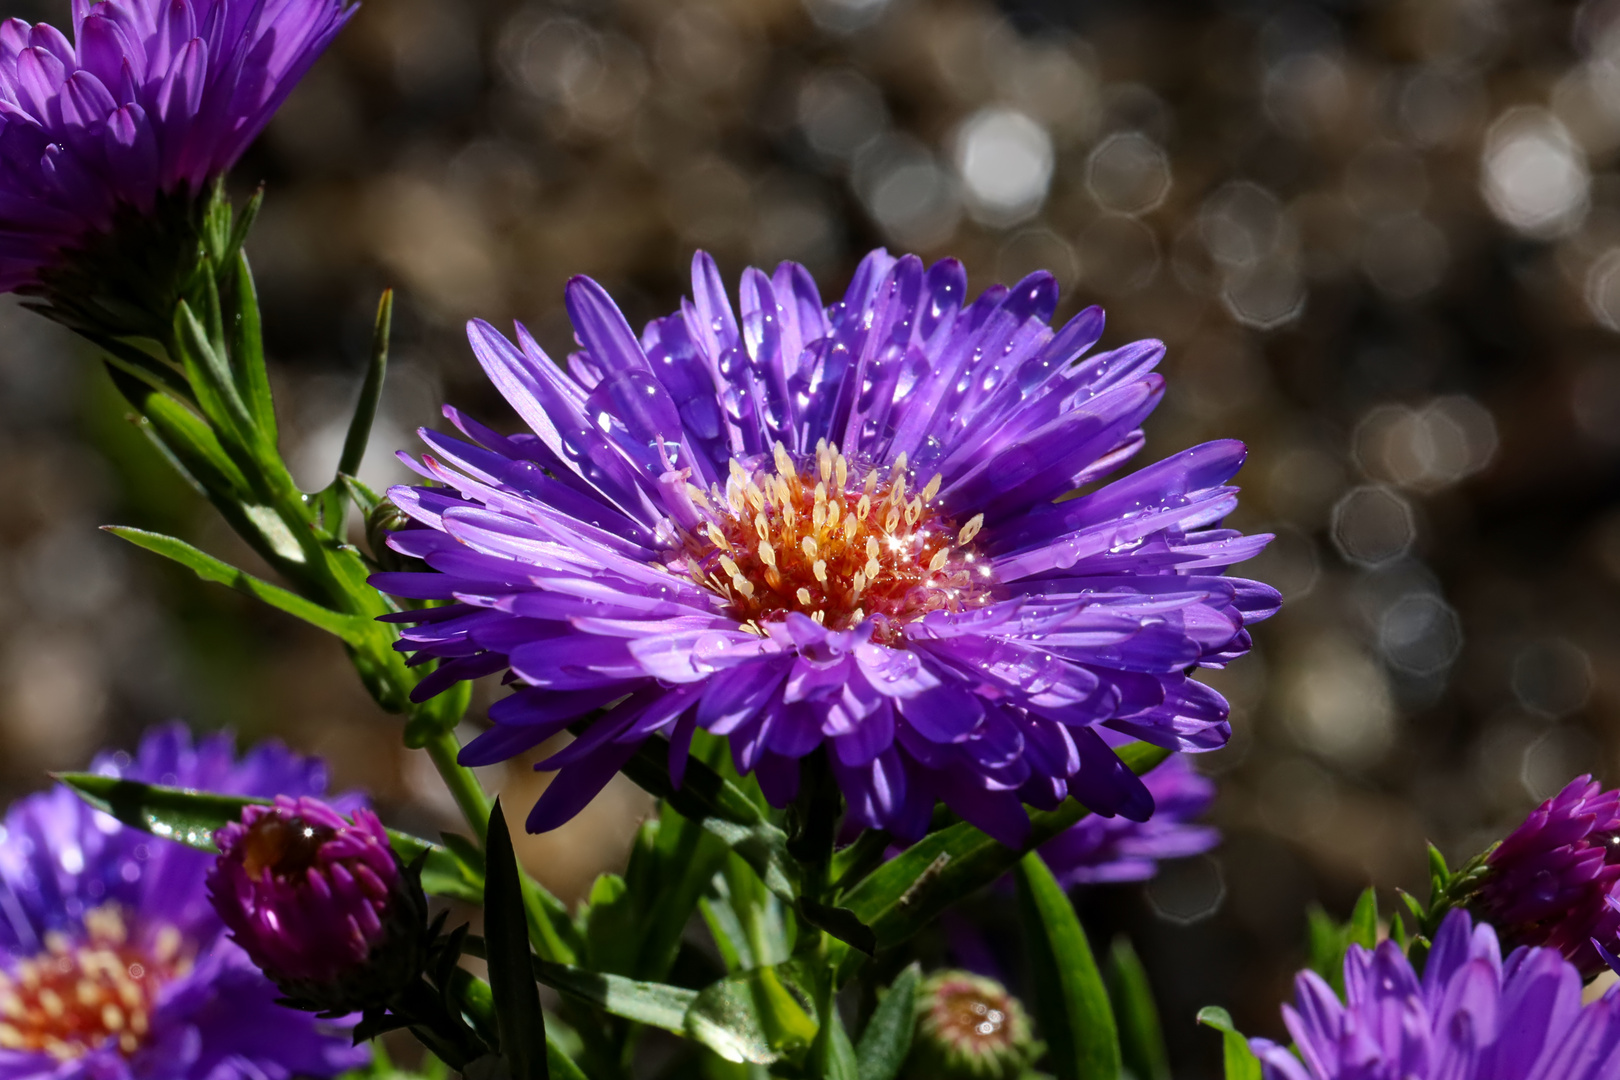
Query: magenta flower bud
(323, 906)
(1550, 882)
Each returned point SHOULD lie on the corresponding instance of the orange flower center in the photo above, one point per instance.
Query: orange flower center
(820, 541)
(73, 997)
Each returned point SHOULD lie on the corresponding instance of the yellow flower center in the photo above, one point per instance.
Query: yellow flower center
(838, 548)
(73, 997)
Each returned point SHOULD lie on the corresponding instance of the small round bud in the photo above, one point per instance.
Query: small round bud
(969, 1028)
(384, 520)
(323, 906)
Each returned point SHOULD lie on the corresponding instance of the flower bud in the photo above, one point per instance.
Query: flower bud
(323, 907)
(1550, 882)
(969, 1028)
(384, 520)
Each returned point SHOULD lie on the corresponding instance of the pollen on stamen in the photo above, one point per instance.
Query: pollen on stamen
(837, 540)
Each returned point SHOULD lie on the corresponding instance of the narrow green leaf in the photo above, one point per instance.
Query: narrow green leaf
(1071, 1002)
(725, 926)
(842, 1063)
(907, 892)
(247, 350)
(365, 410)
(127, 355)
(185, 437)
(210, 379)
(1141, 1038)
(365, 500)
(723, 809)
(1241, 1064)
(1363, 926)
(191, 818)
(887, 1038)
(517, 999)
(355, 630)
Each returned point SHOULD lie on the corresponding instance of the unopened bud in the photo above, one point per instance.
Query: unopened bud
(323, 906)
(969, 1028)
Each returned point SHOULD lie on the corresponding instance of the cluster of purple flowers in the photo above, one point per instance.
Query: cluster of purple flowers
(113, 964)
(1470, 1016)
(832, 529)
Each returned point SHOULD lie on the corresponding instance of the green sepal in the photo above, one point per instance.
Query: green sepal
(518, 1017)
(1141, 1037)
(1240, 1062)
(1071, 1002)
(192, 817)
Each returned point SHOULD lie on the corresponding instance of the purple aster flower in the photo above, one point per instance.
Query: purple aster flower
(150, 97)
(833, 530)
(1550, 882)
(1471, 1016)
(321, 904)
(1098, 849)
(112, 963)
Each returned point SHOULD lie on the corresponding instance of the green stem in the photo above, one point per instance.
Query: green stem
(464, 786)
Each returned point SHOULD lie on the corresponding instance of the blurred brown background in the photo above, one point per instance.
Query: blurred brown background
(1381, 239)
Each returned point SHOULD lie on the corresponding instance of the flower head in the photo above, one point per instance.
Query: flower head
(833, 530)
(970, 1028)
(321, 904)
(112, 963)
(150, 97)
(1471, 1016)
(1550, 882)
(1097, 849)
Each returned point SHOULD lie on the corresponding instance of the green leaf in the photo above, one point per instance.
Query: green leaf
(725, 926)
(907, 892)
(517, 999)
(887, 1038)
(192, 817)
(762, 1016)
(1241, 1064)
(1363, 926)
(841, 1061)
(210, 379)
(720, 807)
(1141, 1038)
(247, 347)
(355, 630)
(365, 410)
(654, 1004)
(1071, 1002)
(186, 438)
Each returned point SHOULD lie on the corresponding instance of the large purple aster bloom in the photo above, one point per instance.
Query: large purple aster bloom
(151, 96)
(1551, 882)
(834, 529)
(113, 966)
(1471, 1016)
(1097, 850)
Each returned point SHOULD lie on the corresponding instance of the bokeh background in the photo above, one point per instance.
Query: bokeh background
(1381, 239)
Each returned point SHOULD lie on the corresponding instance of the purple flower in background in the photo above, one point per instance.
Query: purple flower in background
(1471, 1016)
(834, 529)
(321, 904)
(151, 96)
(1552, 880)
(1097, 849)
(112, 964)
